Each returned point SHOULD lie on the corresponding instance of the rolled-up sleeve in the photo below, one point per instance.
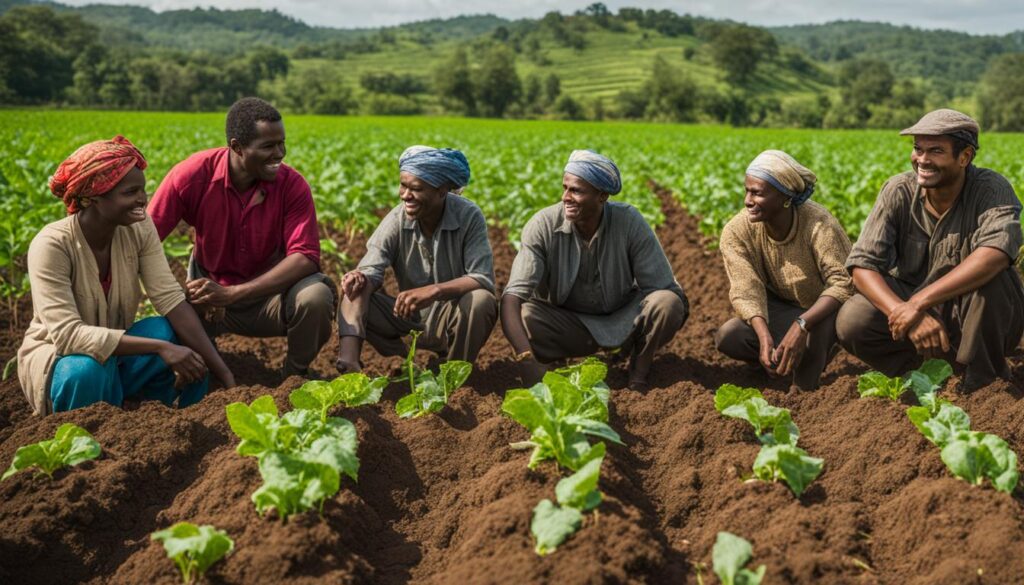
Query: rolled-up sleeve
(530, 264)
(162, 288)
(477, 256)
(381, 250)
(999, 224)
(875, 248)
(747, 291)
(49, 269)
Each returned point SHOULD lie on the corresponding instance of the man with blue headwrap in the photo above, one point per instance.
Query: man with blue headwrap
(785, 259)
(590, 274)
(436, 242)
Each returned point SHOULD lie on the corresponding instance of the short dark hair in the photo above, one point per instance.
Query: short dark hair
(959, 144)
(243, 116)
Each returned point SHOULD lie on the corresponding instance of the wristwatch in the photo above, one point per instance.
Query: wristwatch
(523, 356)
(802, 324)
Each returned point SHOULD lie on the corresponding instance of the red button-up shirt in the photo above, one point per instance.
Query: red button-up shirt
(238, 236)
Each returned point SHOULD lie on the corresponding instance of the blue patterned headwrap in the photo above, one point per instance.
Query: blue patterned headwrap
(596, 169)
(436, 166)
(782, 171)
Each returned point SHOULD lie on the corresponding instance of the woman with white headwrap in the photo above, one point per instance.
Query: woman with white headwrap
(436, 243)
(785, 259)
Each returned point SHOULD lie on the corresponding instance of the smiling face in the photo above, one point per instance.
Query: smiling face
(763, 202)
(125, 204)
(420, 199)
(581, 201)
(262, 157)
(934, 162)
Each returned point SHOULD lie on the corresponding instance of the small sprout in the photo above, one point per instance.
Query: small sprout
(70, 446)
(194, 548)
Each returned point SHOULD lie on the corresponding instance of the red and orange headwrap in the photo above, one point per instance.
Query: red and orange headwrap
(93, 170)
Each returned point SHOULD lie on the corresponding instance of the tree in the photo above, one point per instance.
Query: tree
(454, 83)
(497, 85)
(672, 95)
(40, 46)
(1001, 94)
(739, 49)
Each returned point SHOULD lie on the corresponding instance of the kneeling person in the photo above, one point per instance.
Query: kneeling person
(436, 243)
(255, 267)
(590, 274)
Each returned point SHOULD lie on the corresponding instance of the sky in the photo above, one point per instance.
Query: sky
(972, 16)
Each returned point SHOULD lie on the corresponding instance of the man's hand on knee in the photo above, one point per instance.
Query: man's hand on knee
(929, 337)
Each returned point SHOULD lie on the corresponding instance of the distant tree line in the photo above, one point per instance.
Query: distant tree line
(56, 57)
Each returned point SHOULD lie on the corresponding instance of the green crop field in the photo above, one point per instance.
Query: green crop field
(351, 164)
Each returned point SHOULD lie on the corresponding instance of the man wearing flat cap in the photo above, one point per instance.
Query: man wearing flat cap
(590, 274)
(934, 264)
(435, 240)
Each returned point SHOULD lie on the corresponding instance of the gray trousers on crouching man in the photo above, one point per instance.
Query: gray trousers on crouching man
(738, 340)
(456, 329)
(984, 326)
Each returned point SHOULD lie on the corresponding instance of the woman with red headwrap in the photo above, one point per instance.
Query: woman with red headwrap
(82, 346)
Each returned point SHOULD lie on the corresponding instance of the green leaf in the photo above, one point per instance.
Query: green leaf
(336, 447)
(70, 446)
(788, 463)
(524, 408)
(941, 427)
(937, 371)
(552, 525)
(579, 490)
(454, 374)
(586, 374)
(594, 428)
(728, 557)
(194, 548)
(882, 386)
(729, 395)
(292, 485)
(973, 456)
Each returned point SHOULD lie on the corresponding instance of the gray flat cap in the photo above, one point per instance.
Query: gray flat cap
(946, 122)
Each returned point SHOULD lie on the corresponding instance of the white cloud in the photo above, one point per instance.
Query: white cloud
(974, 16)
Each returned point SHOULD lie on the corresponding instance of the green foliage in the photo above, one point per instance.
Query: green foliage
(302, 455)
(925, 382)
(973, 456)
(69, 446)
(553, 524)
(788, 463)
(351, 390)
(1001, 94)
(560, 413)
(194, 548)
(729, 557)
(942, 426)
(739, 49)
(428, 393)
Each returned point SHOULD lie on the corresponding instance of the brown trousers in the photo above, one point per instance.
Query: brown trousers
(984, 326)
(738, 340)
(302, 314)
(556, 333)
(456, 329)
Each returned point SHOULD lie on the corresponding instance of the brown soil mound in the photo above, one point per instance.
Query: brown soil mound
(444, 499)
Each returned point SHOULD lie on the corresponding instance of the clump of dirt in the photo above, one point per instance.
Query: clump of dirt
(443, 499)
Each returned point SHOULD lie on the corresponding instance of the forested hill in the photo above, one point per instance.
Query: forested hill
(595, 64)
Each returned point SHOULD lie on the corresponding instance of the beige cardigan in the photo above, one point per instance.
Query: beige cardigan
(70, 312)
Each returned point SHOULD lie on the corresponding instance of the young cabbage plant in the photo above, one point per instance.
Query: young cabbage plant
(69, 446)
(560, 418)
(925, 382)
(351, 390)
(973, 456)
(194, 548)
(940, 427)
(552, 524)
(773, 425)
(788, 463)
(428, 392)
(729, 557)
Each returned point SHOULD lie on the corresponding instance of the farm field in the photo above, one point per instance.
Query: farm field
(443, 498)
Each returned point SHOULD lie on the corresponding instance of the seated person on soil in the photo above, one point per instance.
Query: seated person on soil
(934, 266)
(590, 274)
(82, 346)
(435, 240)
(785, 256)
(255, 268)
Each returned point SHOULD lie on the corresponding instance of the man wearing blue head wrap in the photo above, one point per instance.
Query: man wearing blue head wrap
(590, 274)
(436, 243)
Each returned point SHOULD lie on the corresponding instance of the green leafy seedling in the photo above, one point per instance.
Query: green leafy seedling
(351, 390)
(429, 393)
(729, 557)
(773, 425)
(879, 385)
(788, 463)
(70, 445)
(942, 426)
(553, 524)
(973, 456)
(194, 548)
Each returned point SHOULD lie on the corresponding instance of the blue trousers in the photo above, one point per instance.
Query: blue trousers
(79, 380)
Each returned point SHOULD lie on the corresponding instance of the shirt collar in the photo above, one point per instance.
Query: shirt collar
(221, 172)
(566, 226)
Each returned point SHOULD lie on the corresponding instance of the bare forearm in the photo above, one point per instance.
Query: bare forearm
(134, 345)
(190, 333)
(278, 279)
(512, 323)
(455, 288)
(760, 326)
(873, 286)
(820, 310)
(981, 266)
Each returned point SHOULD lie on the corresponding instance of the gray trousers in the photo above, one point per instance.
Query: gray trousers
(984, 326)
(738, 340)
(556, 333)
(456, 329)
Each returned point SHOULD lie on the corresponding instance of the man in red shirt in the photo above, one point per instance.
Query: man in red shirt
(255, 268)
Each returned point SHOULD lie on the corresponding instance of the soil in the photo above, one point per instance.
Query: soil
(443, 499)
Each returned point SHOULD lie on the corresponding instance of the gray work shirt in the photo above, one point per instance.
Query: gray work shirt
(901, 239)
(629, 261)
(459, 247)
